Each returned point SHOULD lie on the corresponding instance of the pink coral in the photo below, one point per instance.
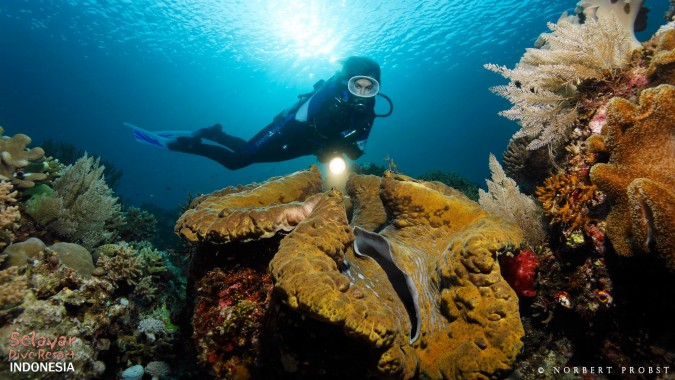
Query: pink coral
(520, 270)
(599, 120)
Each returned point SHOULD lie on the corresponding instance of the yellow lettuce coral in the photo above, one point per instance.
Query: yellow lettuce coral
(478, 330)
(447, 245)
(638, 179)
(425, 293)
(242, 214)
(368, 212)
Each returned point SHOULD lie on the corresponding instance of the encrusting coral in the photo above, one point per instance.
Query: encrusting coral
(9, 212)
(567, 199)
(118, 263)
(13, 288)
(638, 178)
(459, 318)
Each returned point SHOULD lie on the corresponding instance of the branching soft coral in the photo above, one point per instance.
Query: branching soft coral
(139, 225)
(120, 263)
(567, 198)
(542, 87)
(82, 207)
(505, 199)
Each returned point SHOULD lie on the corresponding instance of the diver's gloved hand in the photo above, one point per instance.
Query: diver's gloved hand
(210, 133)
(325, 156)
(191, 144)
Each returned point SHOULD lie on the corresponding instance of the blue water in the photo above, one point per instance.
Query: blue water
(75, 70)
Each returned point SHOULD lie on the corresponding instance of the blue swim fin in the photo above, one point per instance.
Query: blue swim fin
(159, 139)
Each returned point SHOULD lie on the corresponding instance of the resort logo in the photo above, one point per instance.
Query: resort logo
(40, 353)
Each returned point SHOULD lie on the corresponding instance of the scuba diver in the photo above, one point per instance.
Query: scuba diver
(335, 118)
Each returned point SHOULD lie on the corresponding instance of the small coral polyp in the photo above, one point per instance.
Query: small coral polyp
(567, 198)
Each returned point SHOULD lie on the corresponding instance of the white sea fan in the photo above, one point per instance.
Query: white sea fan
(82, 207)
(543, 86)
(505, 199)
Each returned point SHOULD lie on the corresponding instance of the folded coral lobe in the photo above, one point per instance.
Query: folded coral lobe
(250, 212)
(469, 319)
(432, 304)
(638, 179)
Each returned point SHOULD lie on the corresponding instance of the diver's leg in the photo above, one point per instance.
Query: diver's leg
(223, 156)
(215, 133)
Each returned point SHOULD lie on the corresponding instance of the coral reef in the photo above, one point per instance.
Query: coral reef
(119, 263)
(543, 86)
(15, 157)
(453, 180)
(210, 219)
(638, 178)
(661, 68)
(59, 290)
(520, 271)
(230, 312)
(319, 270)
(9, 213)
(58, 302)
(138, 225)
(567, 198)
(612, 183)
(55, 296)
(82, 207)
(67, 154)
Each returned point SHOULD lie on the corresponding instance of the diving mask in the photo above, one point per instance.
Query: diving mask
(363, 86)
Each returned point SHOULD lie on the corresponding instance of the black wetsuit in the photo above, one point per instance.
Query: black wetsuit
(331, 123)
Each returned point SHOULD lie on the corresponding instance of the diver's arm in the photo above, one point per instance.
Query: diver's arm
(325, 155)
(353, 151)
